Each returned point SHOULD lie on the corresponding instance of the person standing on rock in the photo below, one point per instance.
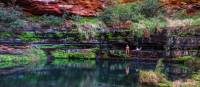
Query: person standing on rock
(127, 50)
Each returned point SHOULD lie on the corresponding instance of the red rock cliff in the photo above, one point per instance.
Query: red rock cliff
(79, 7)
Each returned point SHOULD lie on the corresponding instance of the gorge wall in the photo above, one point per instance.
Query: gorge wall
(88, 7)
(78, 7)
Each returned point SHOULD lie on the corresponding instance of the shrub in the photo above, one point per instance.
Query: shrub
(196, 77)
(144, 15)
(67, 55)
(76, 17)
(118, 53)
(148, 77)
(160, 66)
(107, 15)
(117, 14)
(8, 15)
(193, 20)
(48, 19)
(28, 36)
(6, 34)
(8, 60)
(149, 23)
(150, 8)
(185, 58)
(51, 20)
(132, 11)
(153, 79)
(192, 62)
(86, 20)
(17, 24)
(35, 54)
(185, 83)
(30, 56)
(11, 18)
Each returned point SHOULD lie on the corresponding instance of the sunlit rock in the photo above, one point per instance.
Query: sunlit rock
(78, 7)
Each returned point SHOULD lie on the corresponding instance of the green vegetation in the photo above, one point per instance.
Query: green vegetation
(184, 33)
(51, 20)
(67, 61)
(6, 34)
(28, 36)
(155, 79)
(192, 81)
(148, 23)
(50, 46)
(196, 77)
(160, 66)
(122, 35)
(87, 54)
(190, 62)
(187, 58)
(145, 15)
(150, 8)
(194, 19)
(30, 56)
(89, 20)
(11, 19)
(118, 53)
(34, 36)
(158, 79)
(48, 20)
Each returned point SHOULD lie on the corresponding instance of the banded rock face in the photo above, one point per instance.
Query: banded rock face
(78, 7)
(89, 7)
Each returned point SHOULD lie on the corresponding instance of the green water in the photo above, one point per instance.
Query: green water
(78, 74)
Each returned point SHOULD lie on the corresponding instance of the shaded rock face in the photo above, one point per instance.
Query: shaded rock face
(78, 7)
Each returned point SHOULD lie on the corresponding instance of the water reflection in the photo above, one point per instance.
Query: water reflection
(79, 74)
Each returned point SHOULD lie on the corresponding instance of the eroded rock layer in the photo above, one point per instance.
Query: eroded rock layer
(191, 6)
(79, 7)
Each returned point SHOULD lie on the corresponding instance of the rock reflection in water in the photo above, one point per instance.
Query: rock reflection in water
(79, 74)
